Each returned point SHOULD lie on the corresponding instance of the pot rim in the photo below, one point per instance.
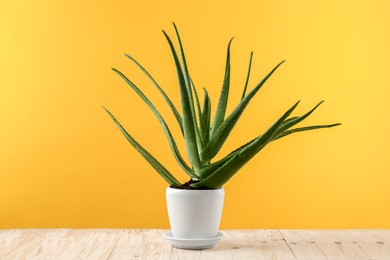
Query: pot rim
(194, 190)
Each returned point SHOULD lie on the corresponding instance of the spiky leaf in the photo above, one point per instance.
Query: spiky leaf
(229, 168)
(167, 132)
(160, 169)
(247, 76)
(198, 127)
(188, 120)
(301, 129)
(167, 99)
(219, 137)
(205, 117)
(293, 121)
(224, 95)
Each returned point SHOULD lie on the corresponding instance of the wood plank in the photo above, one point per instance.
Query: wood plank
(241, 244)
(375, 243)
(30, 245)
(156, 246)
(131, 244)
(336, 244)
(9, 240)
(180, 254)
(258, 244)
(272, 245)
(120, 244)
(14, 243)
(52, 243)
(88, 244)
(302, 245)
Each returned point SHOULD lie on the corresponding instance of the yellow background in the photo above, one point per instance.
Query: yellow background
(63, 163)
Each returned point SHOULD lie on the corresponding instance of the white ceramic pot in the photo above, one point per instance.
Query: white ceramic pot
(194, 214)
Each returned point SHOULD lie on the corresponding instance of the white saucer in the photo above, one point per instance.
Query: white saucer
(184, 243)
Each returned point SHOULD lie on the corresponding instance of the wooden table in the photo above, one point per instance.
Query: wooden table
(236, 244)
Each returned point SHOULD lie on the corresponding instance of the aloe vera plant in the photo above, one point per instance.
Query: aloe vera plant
(203, 136)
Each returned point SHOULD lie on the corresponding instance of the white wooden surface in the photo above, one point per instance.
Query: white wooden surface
(150, 244)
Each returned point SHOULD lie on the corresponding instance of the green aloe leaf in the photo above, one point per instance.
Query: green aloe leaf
(160, 169)
(167, 99)
(207, 170)
(301, 129)
(279, 134)
(167, 132)
(287, 121)
(213, 166)
(198, 133)
(183, 60)
(188, 120)
(293, 121)
(199, 111)
(224, 95)
(187, 80)
(186, 74)
(230, 167)
(247, 75)
(219, 137)
(205, 117)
